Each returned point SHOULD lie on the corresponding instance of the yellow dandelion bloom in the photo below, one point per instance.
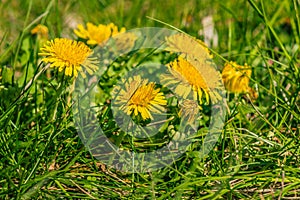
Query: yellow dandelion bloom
(123, 42)
(236, 77)
(42, 32)
(186, 78)
(68, 55)
(140, 97)
(182, 43)
(97, 35)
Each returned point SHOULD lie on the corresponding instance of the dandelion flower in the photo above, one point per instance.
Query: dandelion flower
(68, 55)
(123, 42)
(186, 78)
(182, 43)
(236, 77)
(97, 35)
(140, 97)
(42, 33)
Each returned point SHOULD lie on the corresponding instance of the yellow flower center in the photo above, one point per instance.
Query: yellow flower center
(189, 73)
(140, 97)
(70, 52)
(96, 34)
(144, 95)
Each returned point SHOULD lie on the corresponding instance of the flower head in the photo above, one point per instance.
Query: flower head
(68, 55)
(140, 97)
(182, 43)
(41, 31)
(97, 34)
(236, 77)
(186, 77)
(123, 42)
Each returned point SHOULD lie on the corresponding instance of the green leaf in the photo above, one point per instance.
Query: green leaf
(7, 74)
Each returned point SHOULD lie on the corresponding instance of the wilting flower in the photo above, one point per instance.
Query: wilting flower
(97, 34)
(41, 31)
(189, 110)
(185, 78)
(236, 77)
(68, 55)
(183, 43)
(140, 97)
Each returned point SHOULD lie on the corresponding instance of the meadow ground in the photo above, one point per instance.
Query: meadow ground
(44, 124)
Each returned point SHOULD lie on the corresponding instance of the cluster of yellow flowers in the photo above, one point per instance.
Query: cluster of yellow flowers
(188, 73)
(73, 56)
